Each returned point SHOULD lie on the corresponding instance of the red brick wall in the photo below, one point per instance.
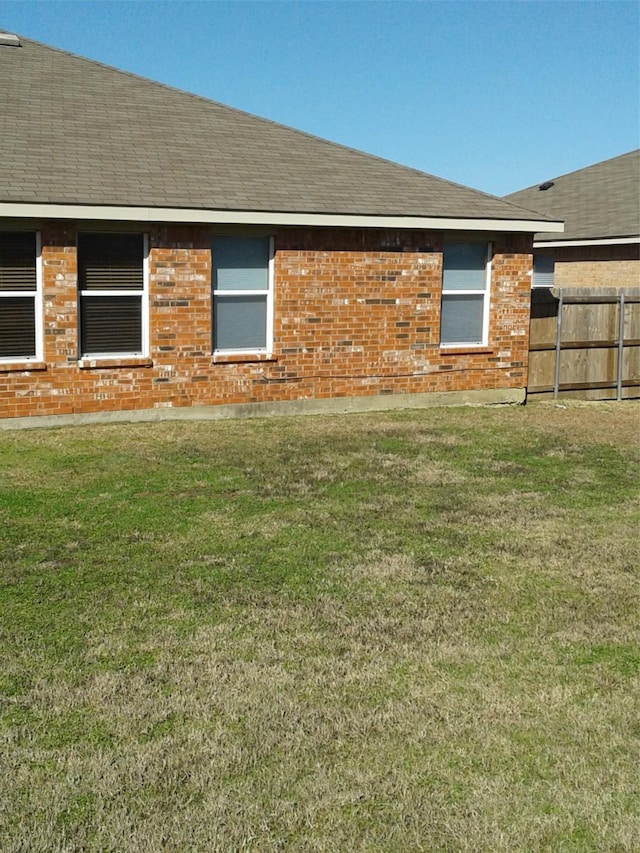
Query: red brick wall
(356, 313)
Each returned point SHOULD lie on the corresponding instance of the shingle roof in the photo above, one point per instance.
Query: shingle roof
(599, 202)
(79, 132)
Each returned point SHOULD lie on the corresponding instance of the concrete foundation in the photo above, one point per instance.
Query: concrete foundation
(343, 405)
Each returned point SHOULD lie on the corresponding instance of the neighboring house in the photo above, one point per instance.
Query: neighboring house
(159, 250)
(600, 206)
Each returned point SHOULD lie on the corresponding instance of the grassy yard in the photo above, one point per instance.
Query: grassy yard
(395, 632)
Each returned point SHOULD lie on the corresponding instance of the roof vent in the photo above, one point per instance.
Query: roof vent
(547, 185)
(9, 40)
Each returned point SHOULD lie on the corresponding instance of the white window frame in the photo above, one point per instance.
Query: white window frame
(486, 294)
(144, 319)
(37, 313)
(268, 349)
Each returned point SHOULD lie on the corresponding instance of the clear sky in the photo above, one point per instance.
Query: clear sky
(495, 95)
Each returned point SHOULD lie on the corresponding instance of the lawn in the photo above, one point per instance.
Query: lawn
(391, 632)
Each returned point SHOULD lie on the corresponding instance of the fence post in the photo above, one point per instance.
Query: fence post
(556, 377)
(620, 345)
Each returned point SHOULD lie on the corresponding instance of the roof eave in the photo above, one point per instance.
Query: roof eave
(591, 241)
(116, 213)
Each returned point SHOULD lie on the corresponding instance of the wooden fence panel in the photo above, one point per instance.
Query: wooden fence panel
(582, 355)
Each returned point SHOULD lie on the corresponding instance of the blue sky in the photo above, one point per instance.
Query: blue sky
(495, 95)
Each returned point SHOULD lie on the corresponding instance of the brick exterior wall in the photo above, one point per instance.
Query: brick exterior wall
(356, 312)
(598, 266)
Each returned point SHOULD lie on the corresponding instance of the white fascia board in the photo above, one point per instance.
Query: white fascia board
(113, 213)
(605, 241)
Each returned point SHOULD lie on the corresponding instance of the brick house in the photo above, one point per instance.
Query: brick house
(600, 206)
(161, 253)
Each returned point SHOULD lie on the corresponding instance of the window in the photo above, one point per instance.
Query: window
(20, 301)
(465, 294)
(543, 268)
(242, 294)
(112, 276)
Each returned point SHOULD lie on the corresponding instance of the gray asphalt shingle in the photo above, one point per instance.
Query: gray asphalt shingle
(598, 202)
(78, 132)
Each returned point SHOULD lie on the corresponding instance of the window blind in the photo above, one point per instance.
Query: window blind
(464, 266)
(111, 283)
(241, 263)
(110, 261)
(543, 269)
(17, 327)
(17, 260)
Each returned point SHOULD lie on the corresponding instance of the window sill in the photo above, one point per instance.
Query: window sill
(88, 363)
(242, 358)
(21, 366)
(474, 349)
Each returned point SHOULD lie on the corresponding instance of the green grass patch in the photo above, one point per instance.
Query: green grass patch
(406, 631)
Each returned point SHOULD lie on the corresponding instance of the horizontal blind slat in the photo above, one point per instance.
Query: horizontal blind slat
(464, 266)
(461, 319)
(17, 327)
(240, 322)
(240, 263)
(18, 260)
(111, 324)
(110, 261)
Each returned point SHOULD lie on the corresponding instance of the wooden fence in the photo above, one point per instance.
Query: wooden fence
(585, 343)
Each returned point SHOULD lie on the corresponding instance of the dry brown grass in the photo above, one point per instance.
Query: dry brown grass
(392, 632)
